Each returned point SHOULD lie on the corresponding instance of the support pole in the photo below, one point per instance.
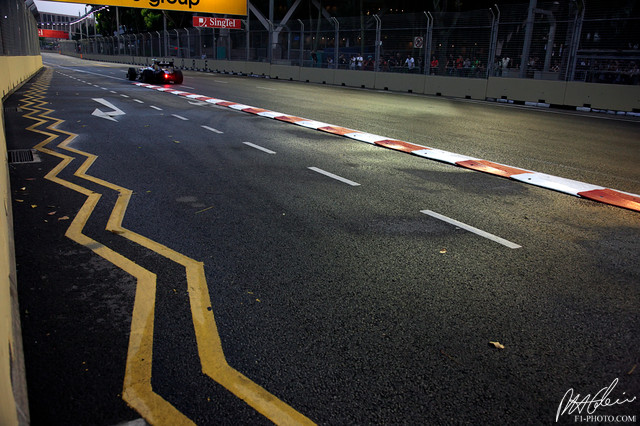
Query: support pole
(179, 53)
(159, 44)
(272, 42)
(378, 41)
(427, 43)
(336, 43)
(575, 41)
(301, 42)
(166, 34)
(495, 22)
(188, 43)
(526, 48)
(550, 40)
(247, 28)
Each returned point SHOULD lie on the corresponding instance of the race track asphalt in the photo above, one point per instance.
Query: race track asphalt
(344, 303)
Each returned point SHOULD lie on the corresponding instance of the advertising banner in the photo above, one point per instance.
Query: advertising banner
(53, 34)
(222, 7)
(209, 22)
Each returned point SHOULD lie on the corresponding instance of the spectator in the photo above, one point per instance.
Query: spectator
(475, 67)
(314, 58)
(369, 64)
(342, 62)
(329, 62)
(459, 65)
(450, 66)
(506, 62)
(634, 73)
(398, 61)
(392, 63)
(384, 64)
(434, 65)
(410, 63)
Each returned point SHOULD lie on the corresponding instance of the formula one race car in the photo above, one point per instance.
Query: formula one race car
(161, 72)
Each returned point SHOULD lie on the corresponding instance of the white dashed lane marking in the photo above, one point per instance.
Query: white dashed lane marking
(336, 177)
(268, 151)
(211, 129)
(471, 229)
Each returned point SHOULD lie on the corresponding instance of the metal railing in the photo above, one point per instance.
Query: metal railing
(553, 41)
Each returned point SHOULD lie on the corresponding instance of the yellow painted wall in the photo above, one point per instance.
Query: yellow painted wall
(14, 409)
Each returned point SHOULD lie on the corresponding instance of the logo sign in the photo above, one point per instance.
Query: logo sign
(418, 42)
(223, 7)
(207, 22)
(53, 34)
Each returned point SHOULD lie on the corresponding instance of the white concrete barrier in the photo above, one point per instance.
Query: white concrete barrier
(538, 92)
(400, 82)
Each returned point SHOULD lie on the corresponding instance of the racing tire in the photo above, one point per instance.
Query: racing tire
(131, 74)
(147, 76)
(178, 77)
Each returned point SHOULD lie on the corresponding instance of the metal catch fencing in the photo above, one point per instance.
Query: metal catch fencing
(18, 30)
(553, 41)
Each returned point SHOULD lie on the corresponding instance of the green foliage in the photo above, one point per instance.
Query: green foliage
(104, 24)
(152, 20)
(135, 20)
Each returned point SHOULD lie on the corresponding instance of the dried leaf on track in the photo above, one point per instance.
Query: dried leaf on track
(497, 345)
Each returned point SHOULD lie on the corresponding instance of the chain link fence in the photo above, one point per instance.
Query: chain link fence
(609, 47)
(18, 29)
(553, 41)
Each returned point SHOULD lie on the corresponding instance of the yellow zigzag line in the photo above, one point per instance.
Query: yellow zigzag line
(137, 388)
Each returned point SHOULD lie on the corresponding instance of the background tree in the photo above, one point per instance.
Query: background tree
(133, 20)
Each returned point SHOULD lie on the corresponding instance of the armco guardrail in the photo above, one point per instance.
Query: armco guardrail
(569, 94)
(14, 408)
